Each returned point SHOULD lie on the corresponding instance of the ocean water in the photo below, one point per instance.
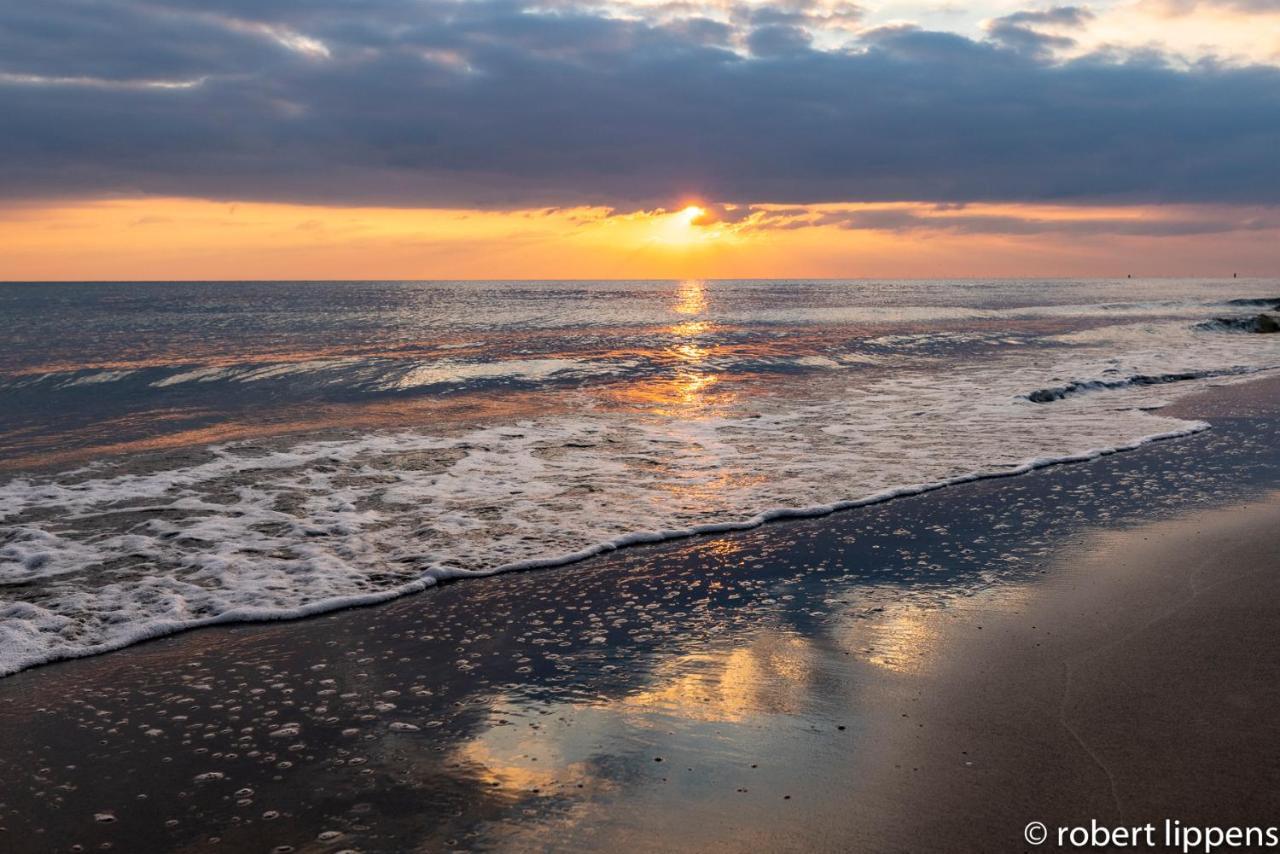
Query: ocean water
(174, 455)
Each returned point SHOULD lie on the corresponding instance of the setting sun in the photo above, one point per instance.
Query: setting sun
(691, 214)
(684, 226)
(791, 342)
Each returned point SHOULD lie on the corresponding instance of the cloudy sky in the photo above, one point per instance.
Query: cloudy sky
(574, 138)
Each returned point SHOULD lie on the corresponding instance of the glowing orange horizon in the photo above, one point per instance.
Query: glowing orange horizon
(192, 239)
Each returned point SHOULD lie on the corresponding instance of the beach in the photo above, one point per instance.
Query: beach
(518, 426)
(860, 681)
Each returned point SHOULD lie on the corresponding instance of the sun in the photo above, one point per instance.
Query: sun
(682, 227)
(691, 214)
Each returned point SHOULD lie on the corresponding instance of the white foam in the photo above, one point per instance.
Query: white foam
(449, 371)
(98, 377)
(106, 557)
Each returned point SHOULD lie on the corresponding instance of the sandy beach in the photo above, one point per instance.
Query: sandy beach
(520, 426)
(856, 682)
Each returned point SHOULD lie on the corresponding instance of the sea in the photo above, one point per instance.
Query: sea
(177, 454)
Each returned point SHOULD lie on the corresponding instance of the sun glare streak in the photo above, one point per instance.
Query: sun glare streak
(691, 298)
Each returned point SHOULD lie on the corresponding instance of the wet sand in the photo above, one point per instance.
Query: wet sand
(1083, 642)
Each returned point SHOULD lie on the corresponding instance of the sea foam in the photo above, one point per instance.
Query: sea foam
(101, 557)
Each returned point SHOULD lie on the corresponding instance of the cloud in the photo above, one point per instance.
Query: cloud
(1020, 30)
(1176, 8)
(951, 218)
(1063, 16)
(778, 40)
(905, 220)
(501, 104)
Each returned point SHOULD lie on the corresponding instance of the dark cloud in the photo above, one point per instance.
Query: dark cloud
(1019, 32)
(778, 40)
(494, 103)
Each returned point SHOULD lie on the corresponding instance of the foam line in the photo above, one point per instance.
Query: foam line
(16, 656)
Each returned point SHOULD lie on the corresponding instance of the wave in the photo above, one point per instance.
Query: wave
(1262, 302)
(23, 626)
(382, 375)
(1250, 323)
(99, 558)
(376, 374)
(1049, 395)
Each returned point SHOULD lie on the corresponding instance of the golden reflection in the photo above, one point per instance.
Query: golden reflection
(516, 759)
(724, 547)
(692, 353)
(688, 394)
(771, 675)
(907, 638)
(702, 484)
(903, 641)
(502, 768)
(690, 386)
(101, 439)
(690, 328)
(689, 389)
(691, 297)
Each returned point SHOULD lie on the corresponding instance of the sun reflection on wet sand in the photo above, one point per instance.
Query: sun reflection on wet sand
(903, 641)
(773, 674)
(906, 638)
(506, 759)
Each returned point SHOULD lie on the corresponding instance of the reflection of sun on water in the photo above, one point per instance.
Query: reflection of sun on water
(691, 297)
(689, 389)
(691, 381)
(690, 328)
(686, 394)
(693, 354)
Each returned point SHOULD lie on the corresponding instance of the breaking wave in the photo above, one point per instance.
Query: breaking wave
(1049, 395)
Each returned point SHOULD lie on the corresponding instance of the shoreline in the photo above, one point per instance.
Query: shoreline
(435, 578)
(656, 660)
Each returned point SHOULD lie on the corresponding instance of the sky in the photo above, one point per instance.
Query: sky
(277, 139)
